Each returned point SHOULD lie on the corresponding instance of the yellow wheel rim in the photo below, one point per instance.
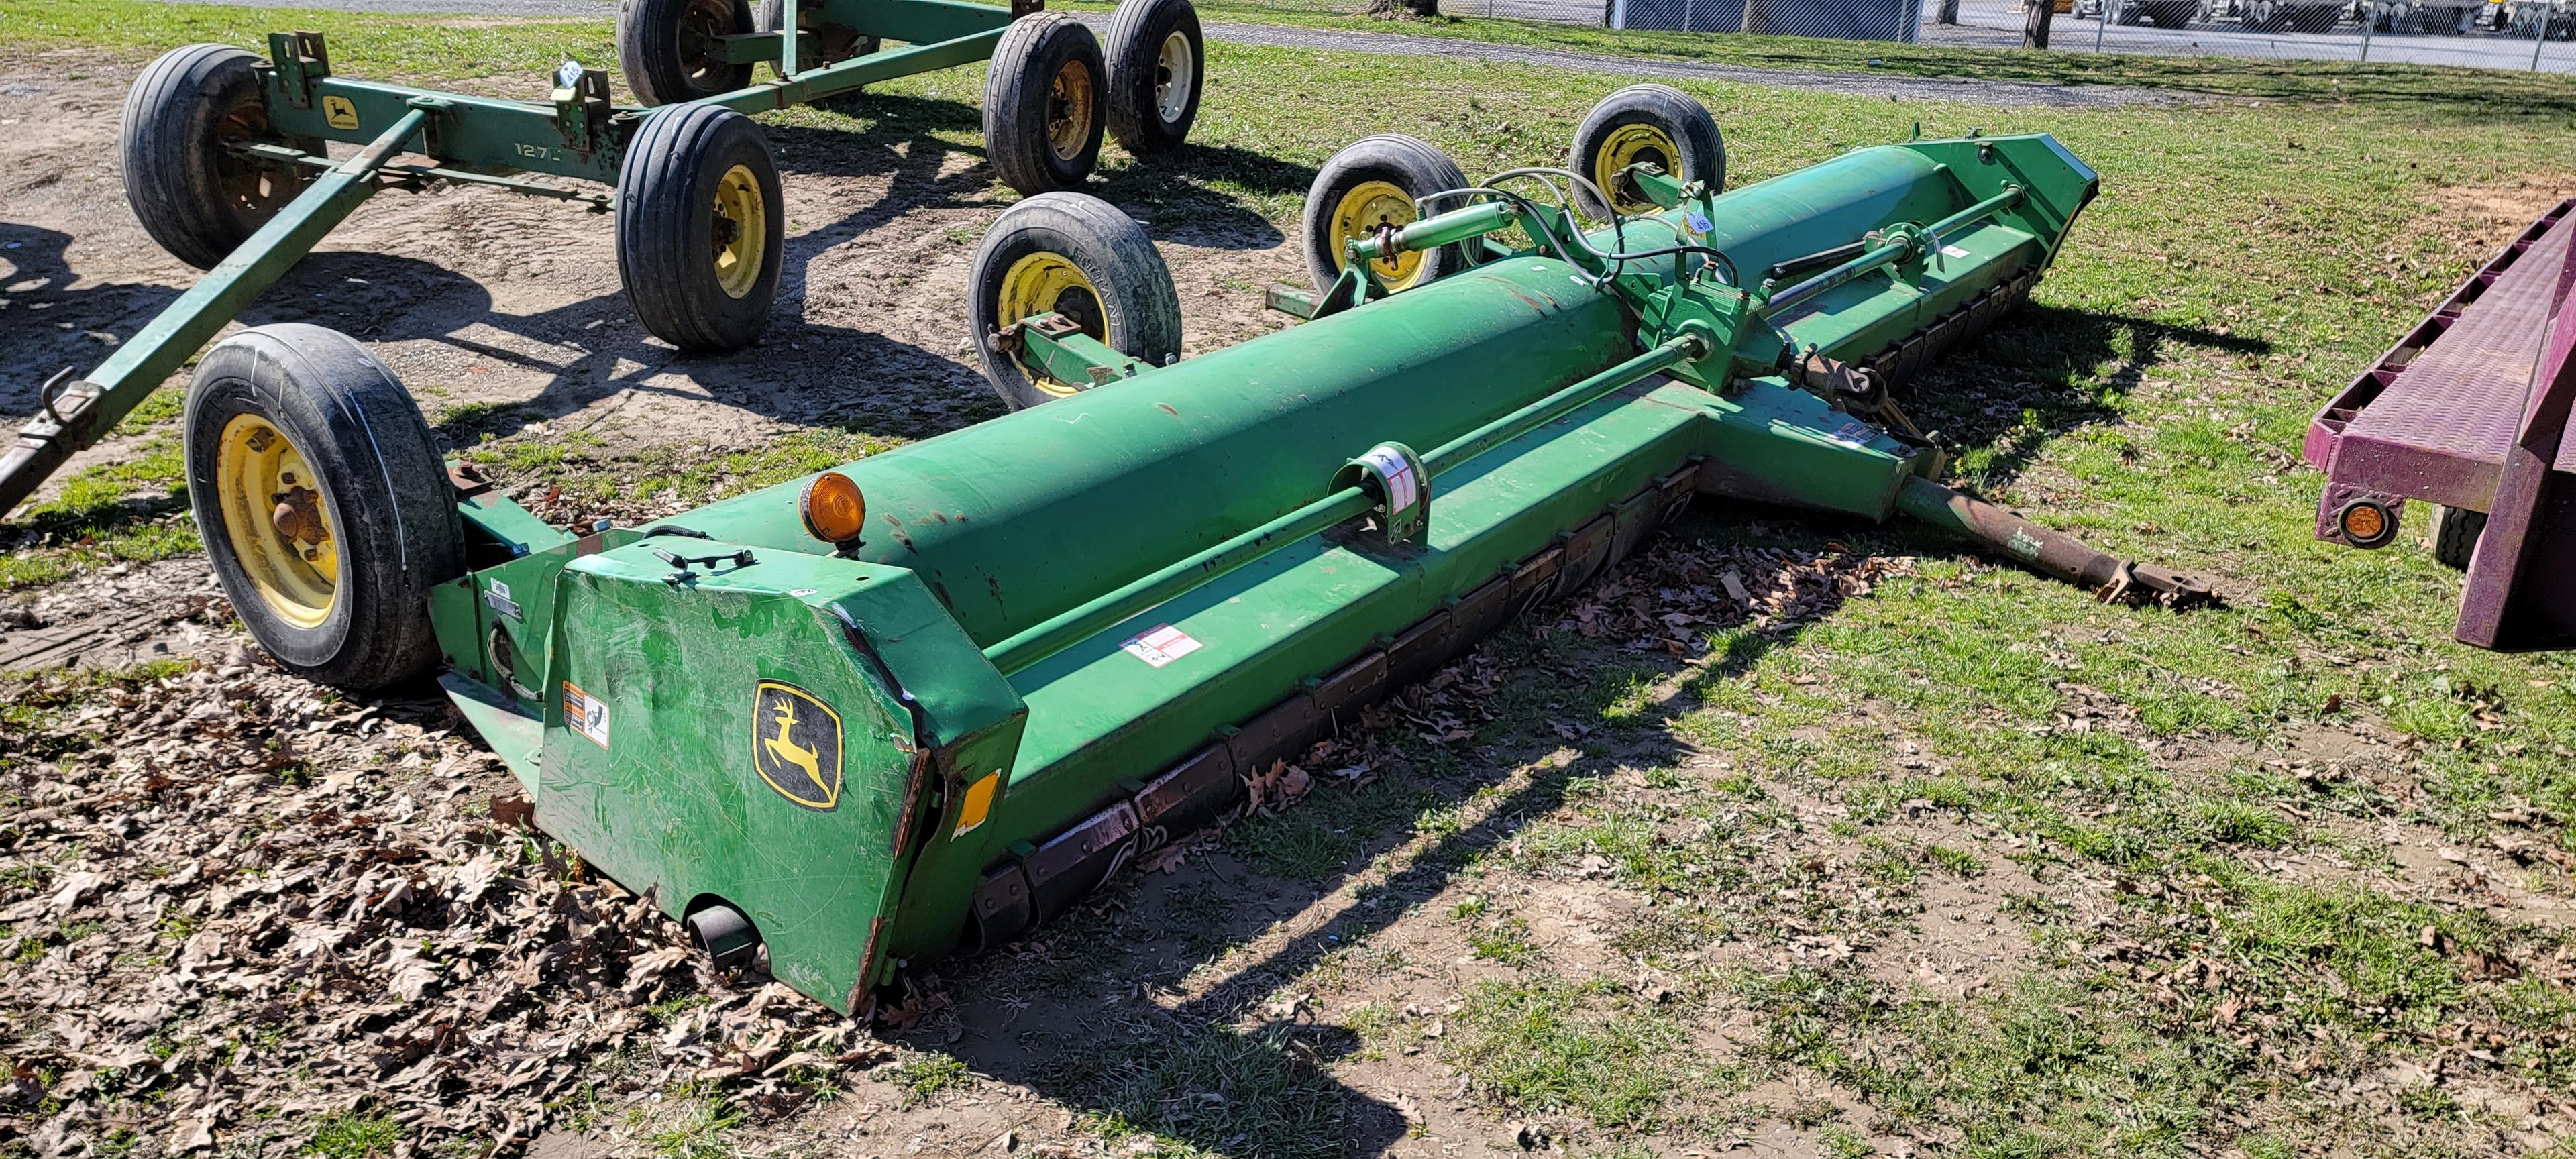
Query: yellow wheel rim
(1045, 282)
(741, 231)
(1361, 212)
(279, 526)
(1628, 145)
(1069, 110)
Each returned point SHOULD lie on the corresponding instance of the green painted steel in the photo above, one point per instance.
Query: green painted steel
(1015, 521)
(471, 139)
(1170, 571)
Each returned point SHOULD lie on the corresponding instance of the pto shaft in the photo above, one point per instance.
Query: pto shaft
(2047, 552)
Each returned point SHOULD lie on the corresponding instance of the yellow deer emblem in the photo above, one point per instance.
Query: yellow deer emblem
(796, 744)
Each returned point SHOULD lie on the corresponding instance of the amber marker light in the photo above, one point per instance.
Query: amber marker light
(833, 509)
(2366, 524)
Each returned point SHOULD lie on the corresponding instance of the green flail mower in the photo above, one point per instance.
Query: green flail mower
(917, 704)
(227, 165)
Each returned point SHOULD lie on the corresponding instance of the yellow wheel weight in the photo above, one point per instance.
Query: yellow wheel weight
(1046, 282)
(1627, 145)
(1360, 213)
(274, 516)
(741, 231)
(1070, 112)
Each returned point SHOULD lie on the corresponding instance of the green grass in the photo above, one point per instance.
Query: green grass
(355, 1136)
(1554, 1047)
(1199, 1092)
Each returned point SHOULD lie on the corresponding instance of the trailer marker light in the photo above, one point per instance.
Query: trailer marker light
(833, 509)
(2366, 524)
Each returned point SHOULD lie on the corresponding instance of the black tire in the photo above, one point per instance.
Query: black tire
(1647, 122)
(1157, 70)
(2315, 19)
(2455, 535)
(1045, 103)
(813, 45)
(2172, 15)
(1130, 304)
(694, 179)
(196, 198)
(391, 513)
(1338, 202)
(667, 48)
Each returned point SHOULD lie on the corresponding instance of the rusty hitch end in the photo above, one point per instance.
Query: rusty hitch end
(2052, 553)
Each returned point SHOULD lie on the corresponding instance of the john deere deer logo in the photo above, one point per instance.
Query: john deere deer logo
(796, 745)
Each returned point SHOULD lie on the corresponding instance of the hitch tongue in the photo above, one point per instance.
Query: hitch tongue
(2050, 553)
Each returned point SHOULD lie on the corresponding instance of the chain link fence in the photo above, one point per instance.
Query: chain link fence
(2537, 35)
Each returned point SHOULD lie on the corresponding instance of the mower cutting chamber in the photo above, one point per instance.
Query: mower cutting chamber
(1065, 637)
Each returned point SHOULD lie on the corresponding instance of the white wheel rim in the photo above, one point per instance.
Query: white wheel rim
(1175, 73)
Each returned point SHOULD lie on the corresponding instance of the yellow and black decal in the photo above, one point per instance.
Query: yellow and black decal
(796, 745)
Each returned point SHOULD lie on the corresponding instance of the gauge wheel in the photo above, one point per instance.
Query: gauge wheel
(1045, 103)
(701, 228)
(324, 505)
(669, 49)
(1077, 256)
(1370, 186)
(1157, 68)
(195, 194)
(1650, 124)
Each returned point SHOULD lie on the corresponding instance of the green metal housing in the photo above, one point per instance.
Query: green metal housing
(1067, 635)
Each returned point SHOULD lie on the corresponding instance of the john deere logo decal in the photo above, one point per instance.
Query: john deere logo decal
(796, 745)
(339, 113)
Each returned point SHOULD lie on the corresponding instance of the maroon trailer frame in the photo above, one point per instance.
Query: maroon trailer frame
(2470, 411)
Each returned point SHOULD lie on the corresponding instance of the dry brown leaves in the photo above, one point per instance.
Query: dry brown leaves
(237, 906)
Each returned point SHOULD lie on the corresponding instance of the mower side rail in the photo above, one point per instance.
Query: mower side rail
(1897, 247)
(84, 412)
(1094, 616)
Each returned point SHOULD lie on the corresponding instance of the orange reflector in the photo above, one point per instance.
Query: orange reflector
(2364, 522)
(978, 804)
(833, 509)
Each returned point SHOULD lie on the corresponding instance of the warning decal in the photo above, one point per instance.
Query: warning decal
(1162, 645)
(585, 714)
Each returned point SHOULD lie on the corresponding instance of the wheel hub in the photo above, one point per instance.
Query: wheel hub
(280, 529)
(1069, 113)
(739, 231)
(1630, 145)
(1368, 209)
(1175, 71)
(1047, 282)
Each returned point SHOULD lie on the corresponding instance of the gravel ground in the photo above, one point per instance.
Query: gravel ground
(1398, 44)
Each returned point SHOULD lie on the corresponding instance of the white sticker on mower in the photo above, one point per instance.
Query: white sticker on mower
(1853, 434)
(585, 714)
(1162, 645)
(1402, 489)
(1951, 251)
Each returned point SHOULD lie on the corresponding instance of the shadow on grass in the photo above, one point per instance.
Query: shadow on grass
(2021, 385)
(1071, 1012)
